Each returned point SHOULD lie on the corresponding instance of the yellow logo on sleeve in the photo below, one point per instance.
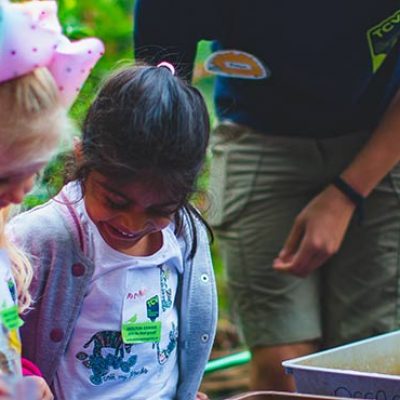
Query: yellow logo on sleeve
(382, 38)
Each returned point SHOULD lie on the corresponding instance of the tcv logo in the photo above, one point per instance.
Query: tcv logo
(382, 38)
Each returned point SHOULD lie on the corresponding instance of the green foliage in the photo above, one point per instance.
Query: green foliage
(109, 20)
(112, 22)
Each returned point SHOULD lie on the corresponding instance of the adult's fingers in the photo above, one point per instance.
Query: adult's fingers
(309, 256)
(293, 241)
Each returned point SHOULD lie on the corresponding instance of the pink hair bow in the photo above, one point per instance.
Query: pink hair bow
(31, 37)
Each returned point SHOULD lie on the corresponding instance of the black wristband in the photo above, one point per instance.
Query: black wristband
(356, 198)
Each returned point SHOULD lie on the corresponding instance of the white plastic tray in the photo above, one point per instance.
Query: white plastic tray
(368, 369)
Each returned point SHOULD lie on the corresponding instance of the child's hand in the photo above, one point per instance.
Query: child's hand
(41, 389)
(35, 385)
(4, 391)
(201, 396)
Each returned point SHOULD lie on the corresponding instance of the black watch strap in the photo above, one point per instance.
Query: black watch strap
(353, 195)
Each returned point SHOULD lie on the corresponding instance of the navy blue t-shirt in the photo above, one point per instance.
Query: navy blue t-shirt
(332, 66)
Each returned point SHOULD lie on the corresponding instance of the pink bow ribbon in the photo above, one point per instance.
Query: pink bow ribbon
(31, 37)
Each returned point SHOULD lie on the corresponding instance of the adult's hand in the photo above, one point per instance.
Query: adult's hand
(317, 233)
(319, 229)
(201, 396)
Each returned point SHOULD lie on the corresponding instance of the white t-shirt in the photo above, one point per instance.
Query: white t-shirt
(10, 345)
(139, 292)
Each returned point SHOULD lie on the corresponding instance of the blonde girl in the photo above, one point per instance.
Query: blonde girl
(32, 120)
(40, 74)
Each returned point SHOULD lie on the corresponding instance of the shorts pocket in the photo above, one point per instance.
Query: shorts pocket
(217, 185)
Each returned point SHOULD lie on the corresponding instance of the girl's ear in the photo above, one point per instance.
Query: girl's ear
(77, 146)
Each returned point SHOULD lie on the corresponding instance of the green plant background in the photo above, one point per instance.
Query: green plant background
(112, 21)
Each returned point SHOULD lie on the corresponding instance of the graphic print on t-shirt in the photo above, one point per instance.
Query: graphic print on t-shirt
(147, 338)
(163, 354)
(110, 358)
(382, 38)
(166, 291)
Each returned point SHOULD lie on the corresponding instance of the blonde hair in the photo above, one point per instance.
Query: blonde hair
(33, 121)
(33, 118)
(20, 266)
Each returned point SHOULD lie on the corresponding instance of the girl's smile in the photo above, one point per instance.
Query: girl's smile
(123, 234)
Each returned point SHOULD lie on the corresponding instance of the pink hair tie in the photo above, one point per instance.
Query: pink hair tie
(167, 65)
(31, 38)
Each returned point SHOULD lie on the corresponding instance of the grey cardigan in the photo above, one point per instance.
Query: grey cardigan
(51, 235)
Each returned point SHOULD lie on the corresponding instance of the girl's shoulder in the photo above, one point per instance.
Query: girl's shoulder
(40, 224)
(193, 234)
(191, 222)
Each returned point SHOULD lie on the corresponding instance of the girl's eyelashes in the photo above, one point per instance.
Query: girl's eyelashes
(14, 179)
(113, 201)
(4, 181)
(22, 175)
(116, 205)
(158, 212)
(163, 212)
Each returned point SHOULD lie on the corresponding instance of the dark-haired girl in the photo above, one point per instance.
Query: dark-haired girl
(124, 287)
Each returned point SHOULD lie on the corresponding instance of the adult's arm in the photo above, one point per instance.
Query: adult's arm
(319, 229)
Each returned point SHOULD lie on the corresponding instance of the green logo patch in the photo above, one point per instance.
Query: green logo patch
(382, 38)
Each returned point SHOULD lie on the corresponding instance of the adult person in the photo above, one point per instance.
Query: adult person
(305, 175)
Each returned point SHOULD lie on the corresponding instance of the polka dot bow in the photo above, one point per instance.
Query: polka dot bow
(31, 37)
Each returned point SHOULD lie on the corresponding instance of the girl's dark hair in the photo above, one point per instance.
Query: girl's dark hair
(146, 122)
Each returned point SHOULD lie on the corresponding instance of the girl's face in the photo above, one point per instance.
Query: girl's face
(129, 216)
(16, 182)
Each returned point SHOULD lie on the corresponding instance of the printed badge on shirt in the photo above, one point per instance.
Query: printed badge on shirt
(141, 318)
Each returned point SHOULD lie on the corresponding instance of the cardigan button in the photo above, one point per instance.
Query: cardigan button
(56, 335)
(204, 338)
(78, 269)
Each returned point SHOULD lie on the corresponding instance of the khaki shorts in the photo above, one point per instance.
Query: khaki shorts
(258, 185)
